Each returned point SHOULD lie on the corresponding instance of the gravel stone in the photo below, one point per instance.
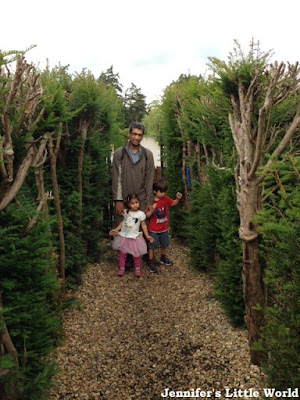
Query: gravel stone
(132, 338)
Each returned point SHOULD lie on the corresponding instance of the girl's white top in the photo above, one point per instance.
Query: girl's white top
(131, 224)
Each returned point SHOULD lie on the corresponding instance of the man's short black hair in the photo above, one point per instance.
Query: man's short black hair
(160, 185)
(136, 125)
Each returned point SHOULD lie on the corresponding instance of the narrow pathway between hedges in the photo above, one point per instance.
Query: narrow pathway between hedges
(130, 338)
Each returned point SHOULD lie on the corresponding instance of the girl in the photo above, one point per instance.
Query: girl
(129, 239)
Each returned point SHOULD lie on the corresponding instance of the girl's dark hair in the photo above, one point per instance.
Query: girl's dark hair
(130, 197)
(160, 184)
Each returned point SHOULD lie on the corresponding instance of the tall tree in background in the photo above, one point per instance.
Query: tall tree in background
(113, 84)
(135, 104)
(264, 118)
(153, 121)
(112, 79)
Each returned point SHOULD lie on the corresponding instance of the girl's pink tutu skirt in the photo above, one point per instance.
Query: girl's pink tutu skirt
(137, 247)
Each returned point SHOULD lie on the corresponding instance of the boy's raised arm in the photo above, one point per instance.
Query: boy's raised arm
(178, 198)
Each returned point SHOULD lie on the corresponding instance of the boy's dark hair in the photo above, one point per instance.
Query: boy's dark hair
(136, 125)
(160, 184)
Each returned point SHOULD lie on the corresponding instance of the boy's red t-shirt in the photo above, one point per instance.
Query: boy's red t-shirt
(159, 220)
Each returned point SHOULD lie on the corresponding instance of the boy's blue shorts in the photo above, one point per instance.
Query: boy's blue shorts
(161, 239)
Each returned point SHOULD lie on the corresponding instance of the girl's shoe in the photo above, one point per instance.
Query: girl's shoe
(121, 271)
(137, 272)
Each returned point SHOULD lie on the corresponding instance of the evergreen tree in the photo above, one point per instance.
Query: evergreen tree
(28, 280)
(258, 92)
(86, 178)
(197, 138)
(279, 225)
(112, 80)
(134, 104)
(153, 121)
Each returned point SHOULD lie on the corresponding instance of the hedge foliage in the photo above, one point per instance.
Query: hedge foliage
(280, 230)
(194, 115)
(31, 283)
(28, 281)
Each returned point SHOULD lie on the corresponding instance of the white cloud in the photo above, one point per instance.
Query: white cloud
(149, 44)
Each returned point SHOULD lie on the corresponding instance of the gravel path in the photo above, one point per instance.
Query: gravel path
(133, 338)
(152, 145)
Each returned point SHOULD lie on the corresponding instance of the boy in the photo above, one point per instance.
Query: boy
(159, 222)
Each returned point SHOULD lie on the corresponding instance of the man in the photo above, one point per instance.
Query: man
(132, 172)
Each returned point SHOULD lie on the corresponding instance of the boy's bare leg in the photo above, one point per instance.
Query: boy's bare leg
(151, 263)
(163, 252)
(151, 254)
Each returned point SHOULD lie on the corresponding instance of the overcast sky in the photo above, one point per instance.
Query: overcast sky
(148, 43)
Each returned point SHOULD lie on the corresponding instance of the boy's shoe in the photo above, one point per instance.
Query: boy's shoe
(165, 261)
(152, 267)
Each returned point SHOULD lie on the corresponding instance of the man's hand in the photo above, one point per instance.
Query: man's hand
(119, 207)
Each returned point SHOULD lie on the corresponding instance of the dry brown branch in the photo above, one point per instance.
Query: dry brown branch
(235, 107)
(190, 155)
(205, 152)
(295, 124)
(40, 207)
(2, 166)
(235, 129)
(269, 194)
(273, 131)
(58, 140)
(41, 153)
(289, 134)
(5, 338)
(35, 157)
(12, 191)
(294, 167)
(21, 101)
(250, 91)
(242, 103)
(280, 85)
(53, 161)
